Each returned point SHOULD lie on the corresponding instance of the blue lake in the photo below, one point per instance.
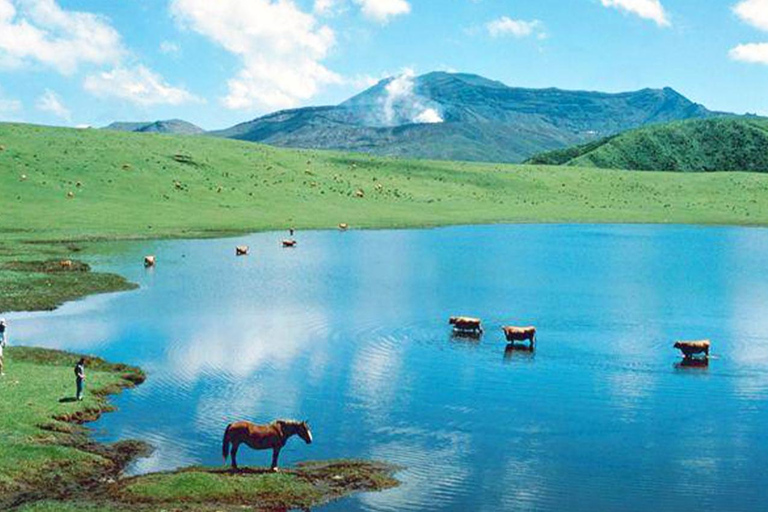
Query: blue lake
(349, 330)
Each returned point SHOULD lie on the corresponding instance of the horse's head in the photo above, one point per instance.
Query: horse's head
(304, 432)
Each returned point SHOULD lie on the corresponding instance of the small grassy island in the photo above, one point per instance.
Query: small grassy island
(49, 463)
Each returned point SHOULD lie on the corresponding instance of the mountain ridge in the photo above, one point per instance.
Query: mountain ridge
(465, 117)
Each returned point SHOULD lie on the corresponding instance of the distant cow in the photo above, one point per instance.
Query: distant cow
(241, 250)
(149, 261)
(466, 324)
(65, 264)
(692, 348)
(514, 334)
(289, 243)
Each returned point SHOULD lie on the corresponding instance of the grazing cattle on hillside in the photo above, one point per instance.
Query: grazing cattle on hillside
(289, 243)
(149, 261)
(241, 250)
(514, 334)
(466, 324)
(66, 264)
(692, 348)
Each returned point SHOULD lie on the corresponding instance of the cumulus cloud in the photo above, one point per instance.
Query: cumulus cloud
(52, 103)
(753, 12)
(383, 10)
(281, 48)
(753, 53)
(326, 7)
(506, 26)
(41, 32)
(648, 9)
(137, 85)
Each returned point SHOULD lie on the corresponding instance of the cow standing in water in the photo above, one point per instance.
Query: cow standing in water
(466, 325)
(692, 348)
(514, 334)
(263, 437)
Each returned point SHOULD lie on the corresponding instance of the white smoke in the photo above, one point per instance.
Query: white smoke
(401, 105)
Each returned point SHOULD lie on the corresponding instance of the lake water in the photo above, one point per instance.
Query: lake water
(349, 331)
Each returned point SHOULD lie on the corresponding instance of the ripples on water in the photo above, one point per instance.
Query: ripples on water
(349, 330)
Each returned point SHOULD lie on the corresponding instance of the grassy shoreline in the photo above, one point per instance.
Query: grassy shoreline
(49, 462)
(100, 186)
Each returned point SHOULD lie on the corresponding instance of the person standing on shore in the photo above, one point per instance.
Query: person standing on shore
(3, 343)
(80, 378)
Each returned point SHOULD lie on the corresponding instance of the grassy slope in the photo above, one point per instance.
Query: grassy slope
(38, 449)
(128, 185)
(722, 144)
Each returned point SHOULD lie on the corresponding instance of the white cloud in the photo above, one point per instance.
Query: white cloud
(383, 10)
(326, 7)
(137, 85)
(753, 53)
(647, 9)
(281, 48)
(753, 12)
(40, 31)
(506, 26)
(52, 103)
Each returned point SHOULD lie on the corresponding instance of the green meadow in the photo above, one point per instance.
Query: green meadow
(64, 187)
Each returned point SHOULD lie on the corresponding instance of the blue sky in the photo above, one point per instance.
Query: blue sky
(219, 62)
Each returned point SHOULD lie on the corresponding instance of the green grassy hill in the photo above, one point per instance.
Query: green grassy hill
(62, 186)
(719, 144)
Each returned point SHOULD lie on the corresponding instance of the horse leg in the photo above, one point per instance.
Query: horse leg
(235, 446)
(275, 455)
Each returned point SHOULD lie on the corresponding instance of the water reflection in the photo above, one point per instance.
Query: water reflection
(348, 331)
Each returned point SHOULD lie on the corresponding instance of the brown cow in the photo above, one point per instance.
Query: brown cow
(466, 324)
(514, 334)
(66, 264)
(149, 261)
(692, 348)
(241, 250)
(289, 243)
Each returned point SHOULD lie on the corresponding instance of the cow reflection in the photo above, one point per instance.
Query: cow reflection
(519, 351)
(689, 363)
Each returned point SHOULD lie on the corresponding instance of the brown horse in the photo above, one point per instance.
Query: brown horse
(263, 437)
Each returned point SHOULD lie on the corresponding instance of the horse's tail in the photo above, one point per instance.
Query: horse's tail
(225, 444)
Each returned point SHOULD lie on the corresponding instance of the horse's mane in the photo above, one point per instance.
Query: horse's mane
(292, 423)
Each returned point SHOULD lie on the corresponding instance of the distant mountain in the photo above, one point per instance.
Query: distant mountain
(174, 126)
(465, 117)
(719, 144)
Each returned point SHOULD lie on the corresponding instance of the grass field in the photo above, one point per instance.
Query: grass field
(42, 449)
(61, 187)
